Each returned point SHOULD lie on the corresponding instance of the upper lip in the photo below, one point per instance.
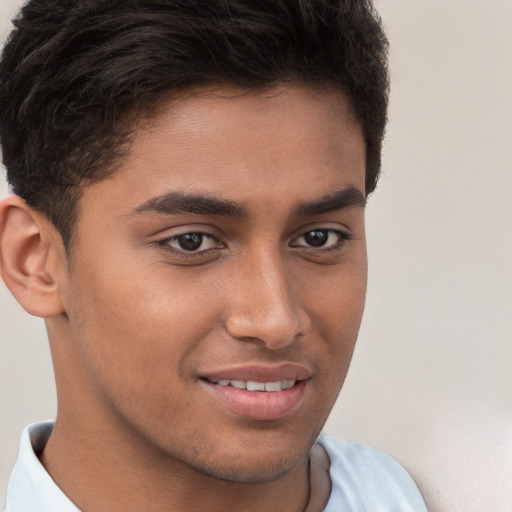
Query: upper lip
(260, 373)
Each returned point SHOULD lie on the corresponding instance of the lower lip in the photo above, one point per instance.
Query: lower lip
(259, 405)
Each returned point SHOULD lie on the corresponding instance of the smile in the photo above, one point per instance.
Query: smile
(257, 400)
(258, 392)
(249, 385)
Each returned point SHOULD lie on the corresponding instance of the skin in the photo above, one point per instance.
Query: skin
(135, 321)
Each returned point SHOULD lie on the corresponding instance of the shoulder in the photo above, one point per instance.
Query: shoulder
(366, 479)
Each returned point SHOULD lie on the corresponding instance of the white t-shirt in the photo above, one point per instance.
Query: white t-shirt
(363, 479)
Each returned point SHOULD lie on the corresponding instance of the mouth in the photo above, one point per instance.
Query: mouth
(251, 385)
(258, 393)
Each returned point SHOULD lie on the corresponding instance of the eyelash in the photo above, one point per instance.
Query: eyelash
(166, 244)
(342, 236)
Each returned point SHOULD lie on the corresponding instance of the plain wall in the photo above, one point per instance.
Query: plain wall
(431, 379)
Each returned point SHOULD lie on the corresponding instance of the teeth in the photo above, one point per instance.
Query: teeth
(273, 386)
(255, 386)
(287, 383)
(250, 385)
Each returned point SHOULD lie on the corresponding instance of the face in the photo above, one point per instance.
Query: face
(217, 282)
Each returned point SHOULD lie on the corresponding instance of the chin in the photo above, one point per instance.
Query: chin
(256, 473)
(256, 465)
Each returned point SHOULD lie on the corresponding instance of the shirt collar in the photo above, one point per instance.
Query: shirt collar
(30, 486)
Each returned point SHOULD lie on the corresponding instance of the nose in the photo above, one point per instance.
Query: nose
(264, 303)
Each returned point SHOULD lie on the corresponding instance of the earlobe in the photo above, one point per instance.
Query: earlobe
(28, 243)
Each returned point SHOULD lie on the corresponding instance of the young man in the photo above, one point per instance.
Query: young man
(189, 186)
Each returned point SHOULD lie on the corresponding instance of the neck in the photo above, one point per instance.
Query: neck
(125, 477)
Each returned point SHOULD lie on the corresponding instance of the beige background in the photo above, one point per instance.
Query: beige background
(431, 382)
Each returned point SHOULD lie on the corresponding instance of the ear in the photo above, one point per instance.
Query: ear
(31, 251)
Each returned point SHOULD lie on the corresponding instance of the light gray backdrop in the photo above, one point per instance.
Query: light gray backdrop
(431, 381)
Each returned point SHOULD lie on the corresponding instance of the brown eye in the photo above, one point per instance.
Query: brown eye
(190, 241)
(322, 239)
(317, 238)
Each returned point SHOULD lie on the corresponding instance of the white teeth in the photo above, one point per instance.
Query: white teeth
(251, 385)
(255, 386)
(288, 383)
(273, 386)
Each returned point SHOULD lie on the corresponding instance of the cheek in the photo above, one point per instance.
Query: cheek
(336, 317)
(336, 310)
(133, 330)
(336, 302)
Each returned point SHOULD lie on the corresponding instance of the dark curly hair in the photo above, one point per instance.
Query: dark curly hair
(76, 76)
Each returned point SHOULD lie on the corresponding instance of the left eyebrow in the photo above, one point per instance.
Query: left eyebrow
(340, 200)
(176, 203)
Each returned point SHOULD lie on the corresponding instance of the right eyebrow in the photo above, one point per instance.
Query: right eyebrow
(347, 197)
(175, 203)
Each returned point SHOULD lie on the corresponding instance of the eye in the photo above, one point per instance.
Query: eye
(321, 238)
(191, 242)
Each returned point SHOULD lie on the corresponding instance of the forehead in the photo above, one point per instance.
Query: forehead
(290, 112)
(244, 146)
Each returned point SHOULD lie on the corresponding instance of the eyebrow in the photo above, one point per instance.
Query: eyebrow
(340, 200)
(175, 203)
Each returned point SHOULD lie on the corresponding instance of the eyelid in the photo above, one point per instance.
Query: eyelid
(183, 229)
(165, 238)
(343, 235)
(175, 238)
(322, 226)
